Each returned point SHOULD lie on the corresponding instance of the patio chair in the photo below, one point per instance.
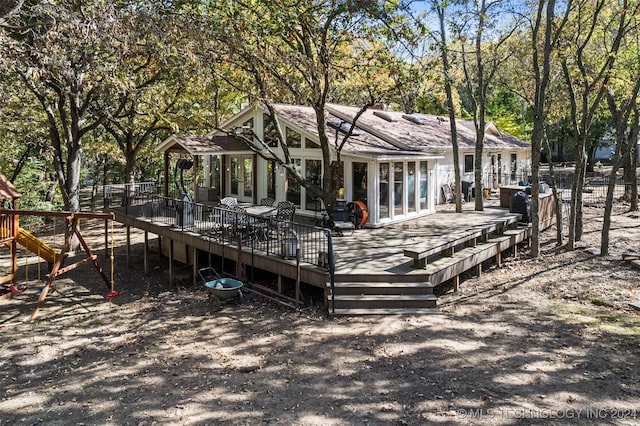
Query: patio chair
(285, 211)
(229, 201)
(241, 221)
(281, 222)
(268, 201)
(340, 218)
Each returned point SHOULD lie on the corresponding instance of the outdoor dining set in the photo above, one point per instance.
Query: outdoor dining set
(261, 223)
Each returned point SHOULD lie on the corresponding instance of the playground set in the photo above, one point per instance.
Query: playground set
(11, 234)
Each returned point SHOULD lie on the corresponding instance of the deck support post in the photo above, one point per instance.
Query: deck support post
(128, 246)
(171, 263)
(195, 266)
(145, 253)
(279, 284)
(479, 269)
(456, 283)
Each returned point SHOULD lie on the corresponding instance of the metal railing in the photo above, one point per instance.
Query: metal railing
(594, 190)
(223, 225)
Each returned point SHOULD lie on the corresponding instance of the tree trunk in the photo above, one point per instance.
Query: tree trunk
(452, 114)
(544, 19)
(537, 135)
(478, 163)
(631, 177)
(72, 183)
(130, 167)
(608, 207)
(575, 215)
(556, 195)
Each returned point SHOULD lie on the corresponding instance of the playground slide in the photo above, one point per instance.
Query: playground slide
(35, 245)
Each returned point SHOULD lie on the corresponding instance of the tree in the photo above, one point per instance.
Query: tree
(65, 54)
(622, 100)
(440, 8)
(300, 52)
(587, 65)
(489, 53)
(544, 36)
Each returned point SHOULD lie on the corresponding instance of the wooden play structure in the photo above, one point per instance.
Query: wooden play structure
(11, 234)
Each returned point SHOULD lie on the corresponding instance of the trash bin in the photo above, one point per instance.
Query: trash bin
(521, 203)
(467, 190)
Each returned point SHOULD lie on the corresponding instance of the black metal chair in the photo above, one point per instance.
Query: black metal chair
(280, 224)
(267, 201)
(340, 218)
(229, 202)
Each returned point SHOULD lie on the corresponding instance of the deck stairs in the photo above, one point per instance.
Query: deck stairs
(377, 295)
(370, 294)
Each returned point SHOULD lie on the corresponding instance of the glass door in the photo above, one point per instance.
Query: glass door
(241, 178)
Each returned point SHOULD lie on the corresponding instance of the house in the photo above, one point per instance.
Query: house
(393, 164)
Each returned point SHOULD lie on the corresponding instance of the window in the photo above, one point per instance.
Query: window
(293, 186)
(294, 139)
(271, 179)
(413, 118)
(468, 163)
(514, 165)
(270, 133)
(313, 174)
(398, 188)
(411, 186)
(249, 126)
(343, 127)
(383, 205)
(308, 143)
(214, 172)
(235, 167)
(360, 182)
(384, 115)
(424, 204)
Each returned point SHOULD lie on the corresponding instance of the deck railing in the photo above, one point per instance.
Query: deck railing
(595, 186)
(225, 226)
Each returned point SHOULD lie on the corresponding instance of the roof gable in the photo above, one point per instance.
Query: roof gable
(202, 145)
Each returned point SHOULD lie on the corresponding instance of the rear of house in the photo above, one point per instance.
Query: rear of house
(393, 164)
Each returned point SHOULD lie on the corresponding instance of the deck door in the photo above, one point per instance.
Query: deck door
(241, 178)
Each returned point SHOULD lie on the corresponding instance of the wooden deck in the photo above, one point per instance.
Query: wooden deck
(373, 273)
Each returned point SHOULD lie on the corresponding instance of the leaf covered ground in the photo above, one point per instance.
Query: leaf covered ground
(553, 340)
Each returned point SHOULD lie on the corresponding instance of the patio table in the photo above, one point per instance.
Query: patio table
(264, 211)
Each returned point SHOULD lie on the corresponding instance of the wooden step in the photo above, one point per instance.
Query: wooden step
(387, 311)
(381, 278)
(400, 288)
(387, 301)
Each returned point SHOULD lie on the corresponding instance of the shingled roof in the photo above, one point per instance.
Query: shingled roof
(202, 145)
(361, 142)
(422, 131)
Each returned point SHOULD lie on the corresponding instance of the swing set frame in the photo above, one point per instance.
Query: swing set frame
(72, 220)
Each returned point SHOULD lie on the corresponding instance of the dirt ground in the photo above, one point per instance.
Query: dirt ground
(553, 340)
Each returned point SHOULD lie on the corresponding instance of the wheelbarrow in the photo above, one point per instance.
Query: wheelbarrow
(220, 289)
